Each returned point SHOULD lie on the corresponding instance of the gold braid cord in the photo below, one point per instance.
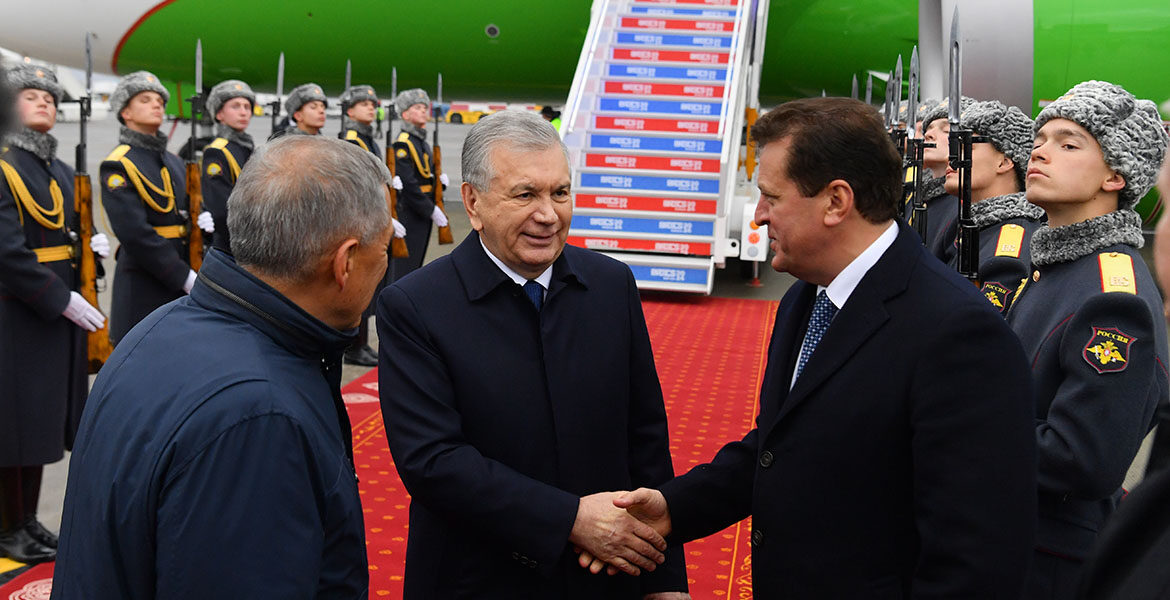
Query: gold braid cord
(39, 214)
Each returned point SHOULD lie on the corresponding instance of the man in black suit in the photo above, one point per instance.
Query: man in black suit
(894, 455)
(518, 385)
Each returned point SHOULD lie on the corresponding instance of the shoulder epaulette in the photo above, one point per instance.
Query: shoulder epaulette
(351, 134)
(1011, 241)
(1117, 272)
(218, 143)
(403, 137)
(119, 152)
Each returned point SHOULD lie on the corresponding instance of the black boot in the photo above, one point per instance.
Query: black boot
(359, 353)
(39, 533)
(21, 547)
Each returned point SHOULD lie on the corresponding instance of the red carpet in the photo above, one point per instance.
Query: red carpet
(710, 354)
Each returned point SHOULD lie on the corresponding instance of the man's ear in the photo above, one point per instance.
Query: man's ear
(1114, 183)
(1005, 164)
(342, 262)
(471, 197)
(839, 195)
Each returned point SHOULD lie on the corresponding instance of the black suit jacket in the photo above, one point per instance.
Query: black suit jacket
(902, 462)
(500, 418)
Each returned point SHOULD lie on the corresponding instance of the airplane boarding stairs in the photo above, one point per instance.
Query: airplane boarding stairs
(654, 124)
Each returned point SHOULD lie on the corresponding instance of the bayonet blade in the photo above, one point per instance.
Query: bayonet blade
(198, 66)
(853, 93)
(440, 95)
(280, 78)
(897, 87)
(393, 83)
(869, 88)
(912, 102)
(891, 118)
(88, 67)
(956, 64)
(348, 74)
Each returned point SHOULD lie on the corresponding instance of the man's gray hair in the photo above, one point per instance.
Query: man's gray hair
(298, 197)
(521, 130)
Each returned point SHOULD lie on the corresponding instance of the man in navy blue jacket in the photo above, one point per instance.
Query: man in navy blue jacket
(224, 469)
(893, 456)
(518, 385)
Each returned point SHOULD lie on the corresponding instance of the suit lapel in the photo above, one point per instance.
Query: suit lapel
(787, 332)
(861, 317)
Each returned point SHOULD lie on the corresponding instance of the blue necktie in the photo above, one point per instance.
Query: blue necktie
(822, 314)
(535, 293)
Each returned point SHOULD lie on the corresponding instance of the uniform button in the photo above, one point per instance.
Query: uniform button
(757, 538)
(515, 556)
(1035, 275)
(766, 459)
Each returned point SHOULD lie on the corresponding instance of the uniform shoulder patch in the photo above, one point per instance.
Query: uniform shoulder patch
(351, 135)
(115, 181)
(1108, 350)
(213, 169)
(1117, 272)
(401, 153)
(1011, 241)
(119, 152)
(996, 293)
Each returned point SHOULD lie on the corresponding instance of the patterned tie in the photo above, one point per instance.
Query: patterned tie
(535, 293)
(822, 314)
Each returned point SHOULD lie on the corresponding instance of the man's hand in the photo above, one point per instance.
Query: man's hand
(205, 222)
(443, 179)
(399, 229)
(648, 506)
(438, 217)
(83, 314)
(397, 183)
(611, 535)
(100, 244)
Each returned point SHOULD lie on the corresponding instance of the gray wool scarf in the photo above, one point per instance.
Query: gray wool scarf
(43, 145)
(1054, 245)
(156, 142)
(1002, 208)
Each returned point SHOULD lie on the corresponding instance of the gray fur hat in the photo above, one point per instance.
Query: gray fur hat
(940, 110)
(24, 76)
(132, 85)
(302, 95)
(1006, 127)
(1129, 131)
(7, 103)
(226, 90)
(359, 93)
(409, 98)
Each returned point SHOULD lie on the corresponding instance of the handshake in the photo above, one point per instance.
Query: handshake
(621, 531)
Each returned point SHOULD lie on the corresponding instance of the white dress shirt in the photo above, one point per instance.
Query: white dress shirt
(543, 279)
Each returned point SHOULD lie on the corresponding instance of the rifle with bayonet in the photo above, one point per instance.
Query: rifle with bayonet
(915, 150)
(344, 91)
(961, 141)
(869, 89)
(853, 90)
(275, 104)
(897, 133)
(398, 247)
(445, 236)
(194, 189)
(98, 346)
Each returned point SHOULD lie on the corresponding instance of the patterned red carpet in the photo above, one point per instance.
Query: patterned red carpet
(710, 354)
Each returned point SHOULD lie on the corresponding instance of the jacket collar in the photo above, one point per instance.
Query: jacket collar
(155, 143)
(43, 145)
(414, 130)
(856, 322)
(240, 138)
(480, 276)
(223, 286)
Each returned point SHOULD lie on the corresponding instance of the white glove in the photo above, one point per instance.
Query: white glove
(205, 222)
(397, 183)
(443, 179)
(83, 313)
(100, 244)
(190, 283)
(438, 217)
(399, 229)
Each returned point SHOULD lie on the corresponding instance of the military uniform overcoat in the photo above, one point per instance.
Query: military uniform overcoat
(43, 371)
(414, 165)
(1005, 225)
(222, 161)
(144, 193)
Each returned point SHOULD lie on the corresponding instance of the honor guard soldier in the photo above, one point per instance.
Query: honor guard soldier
(43, 318)
(360, 105)
(1005, 219)
(413, 163)
(144, 194)
(306, 106)
(230, 102)
(942, 209)
(1089, 316)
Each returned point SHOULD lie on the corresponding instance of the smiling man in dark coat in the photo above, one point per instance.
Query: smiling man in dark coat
(225, 470)
(893, 455)
(518, 385)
